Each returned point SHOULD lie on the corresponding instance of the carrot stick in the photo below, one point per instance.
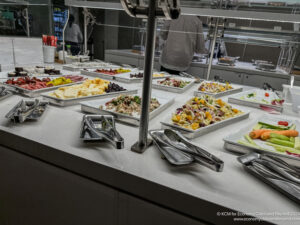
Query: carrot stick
(288, 133)
(255, 134)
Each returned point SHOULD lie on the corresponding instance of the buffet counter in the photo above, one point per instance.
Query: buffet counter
(242, 73)
(184, 195)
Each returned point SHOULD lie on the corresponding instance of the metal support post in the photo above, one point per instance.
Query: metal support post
(143, 141)
(212, 49)
(63, 37)
(85, 30)
(27, 22)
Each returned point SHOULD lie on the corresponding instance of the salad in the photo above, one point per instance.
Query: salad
(202, 111)
(264, 97)
(174, 82)
(127, 104)
(214, 87)
(141, 75)
(112, 71)
(281, 137)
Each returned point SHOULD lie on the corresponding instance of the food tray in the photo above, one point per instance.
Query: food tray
(173, 89)
(125, 77)
(74, 68)
(36, 93)
(104, 76)
(74, 101)
(93, 107)
(230, 142)
(204, 130)
(221, 94)
(236, 99)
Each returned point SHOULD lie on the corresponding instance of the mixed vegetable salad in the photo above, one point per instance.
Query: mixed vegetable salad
(174, 82)
(214, 87)
(113, 71)
(202, 111)
(127, 104)
(279, 136)
(264, 97)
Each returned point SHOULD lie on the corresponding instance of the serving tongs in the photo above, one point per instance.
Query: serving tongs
(25, 110)
(101, 127)
(180, 151)
(4, 92)
(275, 172)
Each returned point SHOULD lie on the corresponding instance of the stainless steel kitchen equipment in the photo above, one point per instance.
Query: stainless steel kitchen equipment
(101, 127)
(275, 172)
(179, 151)
(27, 110)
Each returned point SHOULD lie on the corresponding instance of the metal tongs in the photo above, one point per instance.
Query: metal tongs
(101, 127)
(27, 110)
(4, 92)
(170, 141)
(274, 171)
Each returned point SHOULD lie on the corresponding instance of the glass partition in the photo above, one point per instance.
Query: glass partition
(114, 36)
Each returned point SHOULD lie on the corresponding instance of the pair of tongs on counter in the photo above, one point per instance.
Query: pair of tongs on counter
(5, 92)
(275, 172)
(27, 110)
(101, 127)
(180, 151)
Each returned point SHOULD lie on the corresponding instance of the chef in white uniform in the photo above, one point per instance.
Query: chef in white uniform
(183, 38)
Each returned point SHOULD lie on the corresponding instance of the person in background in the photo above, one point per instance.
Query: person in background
(183, 38)
(73, 36)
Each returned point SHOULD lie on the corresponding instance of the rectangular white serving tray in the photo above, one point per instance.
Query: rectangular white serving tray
(92, 73)
(74, 101)
(74, 68)
(93, 107)
(231, 141)
(173, 89)
(204, 130)
(125, 77)
(235, 89)
(236, 99)
(38, 92)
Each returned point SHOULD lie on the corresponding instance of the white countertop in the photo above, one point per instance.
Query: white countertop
(193, 190)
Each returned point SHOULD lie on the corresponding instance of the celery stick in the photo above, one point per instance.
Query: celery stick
(293, 127)
(297, 143)
(249, 139)
(246, 143)
(284, 148)
(281, 142)
(279, 136)
(279, 149)
(270, 126)
(257, 127)
(292, 139)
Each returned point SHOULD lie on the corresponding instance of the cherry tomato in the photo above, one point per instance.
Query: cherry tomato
(267, 94)
(283, 123)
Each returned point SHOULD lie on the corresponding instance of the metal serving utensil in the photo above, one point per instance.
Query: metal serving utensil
(173, 155)
(172, 140)
(275, 166)
(107, 130)
(202, 156)
(275, 172)
(26, 110)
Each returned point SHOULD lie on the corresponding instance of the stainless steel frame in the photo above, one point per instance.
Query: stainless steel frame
(211, 12)
(166, 9)
(64, 44)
